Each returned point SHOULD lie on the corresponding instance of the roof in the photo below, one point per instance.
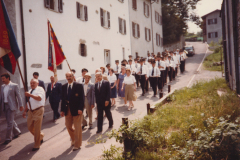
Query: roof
(217, 10)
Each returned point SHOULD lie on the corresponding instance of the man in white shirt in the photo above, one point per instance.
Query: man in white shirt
(173, 63)
(154, 74)
(36, 97)
(132, 67)
(167, 67)
(136, 75)
(162, 68)
(171, 68)
(107, 69)
(148, 55)
(10, 101)
(81, 79)
(117, 68)
(142, 71)
(130, 58)
(182, 61)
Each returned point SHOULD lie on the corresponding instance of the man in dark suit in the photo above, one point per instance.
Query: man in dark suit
(54, 91)
(72, 107)
(102, 94)
(41, 83)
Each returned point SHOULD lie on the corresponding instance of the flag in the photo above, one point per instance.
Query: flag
(9, 50)
(55, 53)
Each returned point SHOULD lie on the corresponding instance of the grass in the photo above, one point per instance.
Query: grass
(171, 122)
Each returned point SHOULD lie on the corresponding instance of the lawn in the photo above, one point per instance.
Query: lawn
(187, 127)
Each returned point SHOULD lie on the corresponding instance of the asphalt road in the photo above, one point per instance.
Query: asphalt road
(57, 144)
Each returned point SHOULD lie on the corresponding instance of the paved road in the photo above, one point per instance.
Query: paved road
(57, 141)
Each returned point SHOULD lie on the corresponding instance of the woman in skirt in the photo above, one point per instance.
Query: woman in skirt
(112, 78)
(129, 83)
(121, 93)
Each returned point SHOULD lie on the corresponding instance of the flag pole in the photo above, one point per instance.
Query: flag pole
(70, 68)
(25, 87)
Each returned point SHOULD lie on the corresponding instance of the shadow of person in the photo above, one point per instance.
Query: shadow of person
(68, 154)
(97, 138)
(26, 153)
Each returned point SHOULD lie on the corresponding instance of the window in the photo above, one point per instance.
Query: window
(83, 50)
(105, 18)
(158, 18)
(161, 42)
(122, 25)
(134, 4)
(147, 34)
(136, 30)
(59, 67)
(212, 21)
(158, 39)
(123, 50)
(107, 57)
(146, 9)
(55, 5)
(213, 35)
(121, 1)
(82, 12)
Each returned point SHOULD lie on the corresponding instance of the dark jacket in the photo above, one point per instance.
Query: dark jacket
(41, 84)
(54, 94)
(76, 101)
(104, 94)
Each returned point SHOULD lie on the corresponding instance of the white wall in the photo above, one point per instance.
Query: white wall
(140, 45)
(214, 27)
(69, 30)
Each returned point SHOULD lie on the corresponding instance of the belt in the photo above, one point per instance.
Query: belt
(37, 108)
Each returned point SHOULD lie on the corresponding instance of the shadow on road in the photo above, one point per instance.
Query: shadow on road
(68, 154)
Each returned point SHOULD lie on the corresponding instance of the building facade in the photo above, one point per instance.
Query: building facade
(230, 15)
(212, 29)
(92, 33)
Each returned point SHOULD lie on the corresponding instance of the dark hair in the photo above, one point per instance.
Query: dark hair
(73, 70)
(6, 75)
(110, 69)
(103, 69)
(35, 73)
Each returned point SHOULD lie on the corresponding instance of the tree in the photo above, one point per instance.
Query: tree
(176, 14)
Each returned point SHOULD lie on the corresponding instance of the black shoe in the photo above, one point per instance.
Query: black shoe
(90, 127)
(143, 94)
(75, 149)
(98, 132)
(17, 136)
(6, 142)
(41, 142)
(83, 126)
(110, 127)
(35, 149)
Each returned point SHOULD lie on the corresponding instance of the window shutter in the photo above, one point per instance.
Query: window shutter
(60, 6)
(209, 35)
(125, 29)
(108, 15)
(156, 17)
(146, 34)
(216, 34)
(209, 21)
(78, 9)
(133, 29)
(159, 40)
(47, 3)
(138, 30)
(86, 13)
(161, 20)
(156, 39)
(120, 24)
(85, 50)
(148, 10)
(144, 8)
(216, 21)
(82, 49)
(149, 34)
(101, 17)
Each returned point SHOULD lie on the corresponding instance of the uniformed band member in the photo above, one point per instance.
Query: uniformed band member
(81, 79)
(162, 68)
(182, 59)
(107, 70)
(171, 69)
(117, 68)
(142, 71)
(154, 74)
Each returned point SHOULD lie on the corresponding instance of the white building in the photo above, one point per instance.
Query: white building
(92, 33)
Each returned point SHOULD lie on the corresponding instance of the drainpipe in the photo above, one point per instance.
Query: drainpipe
(152, 26)
(23, 45)
(235, 40)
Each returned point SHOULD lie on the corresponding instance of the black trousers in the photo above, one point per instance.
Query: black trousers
(173, 73)
(166, 74)
(147, 85)
(170, 73)
(154, 83)
(137, 79)
(100, 109)
(182, 66)
(142, 82)
(162, 78)
(55, 107)
(117, 75)
(176, 71)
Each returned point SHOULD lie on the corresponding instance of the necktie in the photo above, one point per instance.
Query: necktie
(69, 92)
(117, 69)
(153, 72)
(99, 86)
(172, 58)
(52, 86)
(158, 63)
(141, 69)
(83, 80)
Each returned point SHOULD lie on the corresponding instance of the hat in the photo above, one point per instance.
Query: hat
(130, 56)
(84, 70)
(117, 61)
(108, 65)
(88, 74)
(98, 73)
(129, 60)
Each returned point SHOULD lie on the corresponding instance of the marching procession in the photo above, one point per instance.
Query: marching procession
(80, 94)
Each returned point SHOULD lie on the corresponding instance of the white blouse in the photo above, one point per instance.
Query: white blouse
(129, 80)
(112, 78)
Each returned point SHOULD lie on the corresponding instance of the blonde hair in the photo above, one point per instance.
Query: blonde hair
(105, 77)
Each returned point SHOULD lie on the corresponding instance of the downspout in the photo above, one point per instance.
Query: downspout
(23, 45)
(152, 26)
(235, 39)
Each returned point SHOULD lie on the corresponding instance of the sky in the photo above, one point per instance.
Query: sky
(204, 7)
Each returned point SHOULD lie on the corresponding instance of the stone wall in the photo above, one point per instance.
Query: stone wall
(177, 45)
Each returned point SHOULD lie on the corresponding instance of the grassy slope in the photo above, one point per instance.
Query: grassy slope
(209, 60)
